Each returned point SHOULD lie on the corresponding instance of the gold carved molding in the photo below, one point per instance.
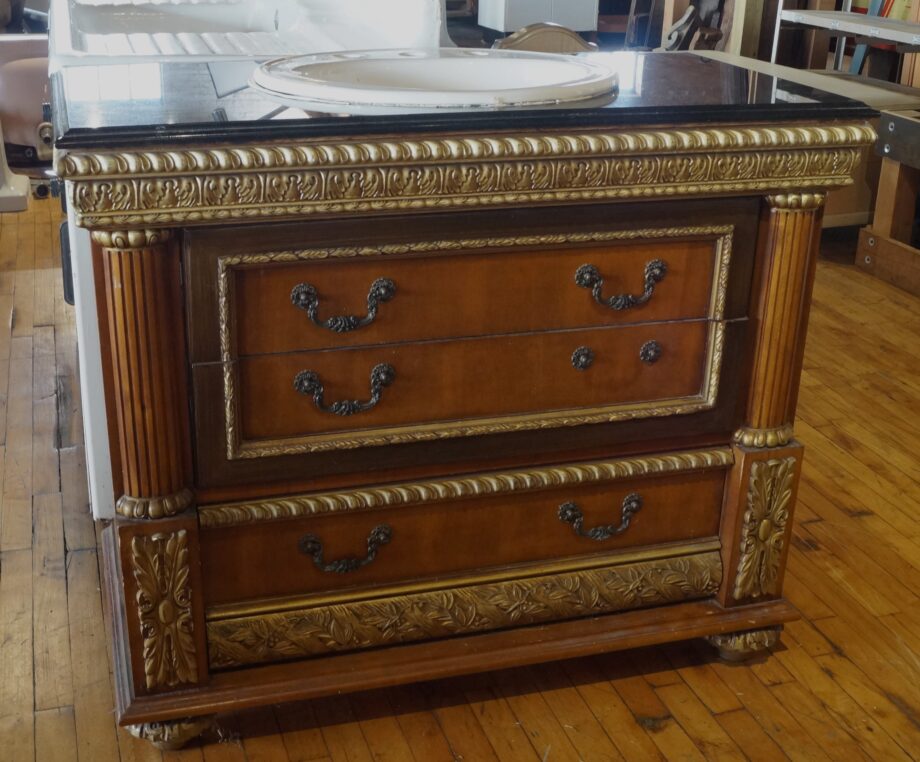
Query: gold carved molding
(160, 565)
(237, 448)
(171, 734)
(793, 201)
(154, 507)
(131, 239)
(776, 437)
(479, 485)
(167, 187)
(763, 535)
(477, 608)
(737, 646)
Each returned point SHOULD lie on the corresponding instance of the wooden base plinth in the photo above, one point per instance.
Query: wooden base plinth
(313, 678)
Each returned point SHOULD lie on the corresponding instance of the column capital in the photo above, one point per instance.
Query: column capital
(795, 201)
(131, 239)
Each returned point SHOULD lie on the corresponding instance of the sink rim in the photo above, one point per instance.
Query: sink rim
(284, 77)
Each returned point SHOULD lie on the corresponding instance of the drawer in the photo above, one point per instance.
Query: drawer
(335, 297)
(427, 532)
(303, 402)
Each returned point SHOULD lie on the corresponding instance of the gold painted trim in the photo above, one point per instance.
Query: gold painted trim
(519, 571)
(763, 535)
(160, 507)
(238, 449)
(160, 567)
(164, 187)
(477, 486)
(776, 437)
(738, 646)
(131, 239)
(796, 201)
(170, 735)
(462, 610)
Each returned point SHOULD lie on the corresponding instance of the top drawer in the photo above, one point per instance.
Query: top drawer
(517, 275)
(322, 298)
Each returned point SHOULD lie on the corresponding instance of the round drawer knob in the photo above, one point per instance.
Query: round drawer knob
(582, 358)
(650, 352)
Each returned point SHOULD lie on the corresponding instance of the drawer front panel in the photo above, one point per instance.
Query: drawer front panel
(455, 388)
(323, 628)
(331, 298)
(429, 540)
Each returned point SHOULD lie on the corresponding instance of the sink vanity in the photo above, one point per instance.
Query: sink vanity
(399, 396)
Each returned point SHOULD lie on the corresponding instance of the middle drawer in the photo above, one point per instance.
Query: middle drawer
(374, 395)
(426, 531)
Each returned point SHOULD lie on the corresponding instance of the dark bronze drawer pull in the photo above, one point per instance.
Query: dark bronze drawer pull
(571, 514)
(582, 358)
(588, 276)
(311, 545)
(307, 382)
(305, 297)
(650, 352)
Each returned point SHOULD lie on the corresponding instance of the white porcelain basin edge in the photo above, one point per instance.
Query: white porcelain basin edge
(434, 78)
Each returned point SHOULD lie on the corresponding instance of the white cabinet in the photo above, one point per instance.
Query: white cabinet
(511, 15)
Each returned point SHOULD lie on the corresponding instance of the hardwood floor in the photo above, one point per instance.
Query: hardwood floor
(844, 685)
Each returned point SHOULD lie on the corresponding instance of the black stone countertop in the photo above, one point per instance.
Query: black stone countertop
(176, 104)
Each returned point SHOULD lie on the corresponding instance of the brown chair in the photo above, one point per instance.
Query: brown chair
(545, 38)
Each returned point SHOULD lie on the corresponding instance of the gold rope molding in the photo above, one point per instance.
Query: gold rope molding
(479, 485)
(138, 188)
(455, 611)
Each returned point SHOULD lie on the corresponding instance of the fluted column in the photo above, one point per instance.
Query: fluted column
(789, 253)
(762, 487)
(147, 345)
(159, 582)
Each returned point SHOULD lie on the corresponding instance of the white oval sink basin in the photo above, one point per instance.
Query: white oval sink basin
(435, 78)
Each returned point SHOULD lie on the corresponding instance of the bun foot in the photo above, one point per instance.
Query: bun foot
(171, 734)
(739, 646)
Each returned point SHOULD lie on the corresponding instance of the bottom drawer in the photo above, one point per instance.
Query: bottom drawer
(420, 531)
(602, 587)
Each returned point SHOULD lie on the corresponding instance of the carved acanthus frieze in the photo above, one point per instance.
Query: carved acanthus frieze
(160, 565)
(477, 608)
(136, 188)
(763, 535)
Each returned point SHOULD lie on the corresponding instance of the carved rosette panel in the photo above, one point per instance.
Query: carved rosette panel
(763, 535)
(477, 608)
(160, 565)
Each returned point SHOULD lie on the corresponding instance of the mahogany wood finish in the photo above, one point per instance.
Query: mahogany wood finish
(310, 678)
(537, 294)
(481, 330)
(431, 541)
(793, 226)
(286, 474)
(146, 336)
(473, 378)
(466, 293)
